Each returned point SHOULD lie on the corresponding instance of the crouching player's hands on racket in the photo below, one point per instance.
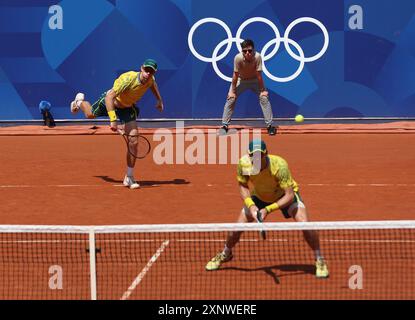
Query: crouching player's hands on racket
(263, 213)
(253, 212)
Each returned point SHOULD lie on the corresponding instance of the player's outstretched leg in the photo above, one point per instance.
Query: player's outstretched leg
(76, 103)
(313, 241)
(232, 239)
(79, 103)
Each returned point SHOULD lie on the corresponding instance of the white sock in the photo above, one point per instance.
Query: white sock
(78, 103)
(318, 254)
(226, 251)
(130, 172)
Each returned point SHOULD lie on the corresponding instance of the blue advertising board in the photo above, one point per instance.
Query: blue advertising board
(322, 58)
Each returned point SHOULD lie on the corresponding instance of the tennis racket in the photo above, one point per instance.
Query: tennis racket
(260, 220)
(143, 145)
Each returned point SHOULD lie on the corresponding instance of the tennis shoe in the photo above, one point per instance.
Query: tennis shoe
(74, 106)
(223, 130)
(130, 182)
(272, 131)
(321, 268)
(216, 261)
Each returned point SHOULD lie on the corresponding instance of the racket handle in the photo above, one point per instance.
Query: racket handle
(259, 216)
(260, 220)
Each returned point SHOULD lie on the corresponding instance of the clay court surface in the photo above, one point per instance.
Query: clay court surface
(77, 180)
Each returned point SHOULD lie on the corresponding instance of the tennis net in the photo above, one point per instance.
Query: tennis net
(366, 260)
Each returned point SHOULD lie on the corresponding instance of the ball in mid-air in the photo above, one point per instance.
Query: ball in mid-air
(299, 118)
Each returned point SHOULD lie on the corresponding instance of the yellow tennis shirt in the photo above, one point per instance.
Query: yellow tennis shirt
(268, 185)
(129, 89)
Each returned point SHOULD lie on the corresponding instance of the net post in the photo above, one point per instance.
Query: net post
(92, 265)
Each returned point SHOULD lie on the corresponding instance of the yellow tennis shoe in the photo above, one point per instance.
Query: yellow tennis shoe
(217, 260)
(321, 268)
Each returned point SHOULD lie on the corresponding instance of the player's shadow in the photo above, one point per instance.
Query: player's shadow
(145, 183)
(288, 269)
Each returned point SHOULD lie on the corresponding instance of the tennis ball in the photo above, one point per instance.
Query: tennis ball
(299, 118)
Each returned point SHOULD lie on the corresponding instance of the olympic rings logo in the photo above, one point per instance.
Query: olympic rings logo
(265, 57)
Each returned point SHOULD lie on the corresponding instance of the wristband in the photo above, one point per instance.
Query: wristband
(272, 207)
(112, 115)
(249, 202)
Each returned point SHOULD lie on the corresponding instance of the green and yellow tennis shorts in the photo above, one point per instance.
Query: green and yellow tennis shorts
(297, 203)
(125, 115)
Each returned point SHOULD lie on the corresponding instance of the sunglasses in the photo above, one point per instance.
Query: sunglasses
(247, 51)
(149, 70)
(251, 155)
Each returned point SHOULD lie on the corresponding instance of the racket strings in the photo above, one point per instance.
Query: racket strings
(138, 146)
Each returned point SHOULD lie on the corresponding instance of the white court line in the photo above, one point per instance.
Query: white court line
(202, 240)
(359, 184)
(141, 275)
(17, 186)
(55, 186)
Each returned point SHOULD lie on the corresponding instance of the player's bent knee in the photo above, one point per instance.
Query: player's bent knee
(133, 141)
(300, 215)
(297, 209)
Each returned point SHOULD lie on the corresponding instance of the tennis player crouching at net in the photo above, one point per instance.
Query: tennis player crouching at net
(273, 188)
(120, 101)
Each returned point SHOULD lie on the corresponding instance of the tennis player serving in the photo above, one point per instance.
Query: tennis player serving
(273, 189)
(120, 102)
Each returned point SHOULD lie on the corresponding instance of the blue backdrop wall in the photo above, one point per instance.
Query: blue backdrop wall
(360, 61)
